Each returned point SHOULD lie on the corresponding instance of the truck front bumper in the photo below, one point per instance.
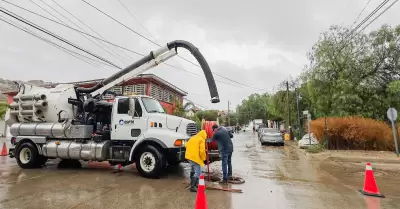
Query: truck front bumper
(176, 155)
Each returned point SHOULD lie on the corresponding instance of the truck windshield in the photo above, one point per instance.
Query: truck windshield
(152, 105)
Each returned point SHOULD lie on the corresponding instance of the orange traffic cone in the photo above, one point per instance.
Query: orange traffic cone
(201, 200)
(370, 187)
(4, 151)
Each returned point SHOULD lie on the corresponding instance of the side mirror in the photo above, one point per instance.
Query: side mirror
(131, 111)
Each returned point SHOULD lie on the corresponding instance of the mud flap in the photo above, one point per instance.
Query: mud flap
(11, 152)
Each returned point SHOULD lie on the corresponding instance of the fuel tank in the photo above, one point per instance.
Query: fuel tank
(52, 130)
(90, 150)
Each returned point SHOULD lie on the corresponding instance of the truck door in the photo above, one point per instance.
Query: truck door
(126, 127)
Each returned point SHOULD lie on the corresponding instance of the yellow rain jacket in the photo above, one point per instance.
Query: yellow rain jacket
(196, 148)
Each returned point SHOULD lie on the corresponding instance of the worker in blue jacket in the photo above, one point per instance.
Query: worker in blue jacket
(225, 146)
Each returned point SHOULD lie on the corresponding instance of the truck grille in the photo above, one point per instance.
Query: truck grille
(191, 129)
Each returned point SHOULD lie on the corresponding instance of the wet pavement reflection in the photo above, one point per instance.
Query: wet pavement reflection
(276, 177)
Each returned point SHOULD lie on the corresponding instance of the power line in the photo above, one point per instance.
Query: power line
(360, 13)
(70, 52)
(137, 20)
(351, 35)
(66, 24)
(197, 104)
(115, 54)
(367, 18)
(197, 65)
(63, 8)
(387, 8)
(109, 16)
(58, 37)
(121, 47)
(121, 23)
(100, 39)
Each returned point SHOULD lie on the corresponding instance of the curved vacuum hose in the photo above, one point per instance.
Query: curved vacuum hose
(171, 45)
(203, 64)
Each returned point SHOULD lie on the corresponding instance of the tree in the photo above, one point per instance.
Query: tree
(208, 115)
(3, 109)
(352, 77)
(254, 107)
(178, 109)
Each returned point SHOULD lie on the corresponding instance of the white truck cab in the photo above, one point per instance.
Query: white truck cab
(142, 120)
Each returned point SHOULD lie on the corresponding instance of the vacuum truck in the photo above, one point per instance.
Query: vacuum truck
(75, 123)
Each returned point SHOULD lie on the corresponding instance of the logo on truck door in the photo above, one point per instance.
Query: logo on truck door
(122, 122)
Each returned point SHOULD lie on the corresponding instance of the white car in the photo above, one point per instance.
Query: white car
(271, 136)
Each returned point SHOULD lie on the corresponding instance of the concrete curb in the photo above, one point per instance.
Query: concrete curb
(363, 160)
(343, 159)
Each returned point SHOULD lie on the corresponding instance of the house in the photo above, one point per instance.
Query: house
(144, 84)
(192, 111)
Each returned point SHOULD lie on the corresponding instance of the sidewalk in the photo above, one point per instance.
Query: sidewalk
(352, 156)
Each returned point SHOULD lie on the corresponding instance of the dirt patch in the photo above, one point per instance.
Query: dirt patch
(352, 174)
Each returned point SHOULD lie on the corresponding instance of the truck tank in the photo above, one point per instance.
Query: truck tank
(39, 104)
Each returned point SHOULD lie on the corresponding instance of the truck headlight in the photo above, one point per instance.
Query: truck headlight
(180, 143)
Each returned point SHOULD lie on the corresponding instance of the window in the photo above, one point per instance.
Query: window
(162, 94)
(123, 106)
(116, 89)
(155, 91)
(139, 89)
(152, 105)
(138, 109)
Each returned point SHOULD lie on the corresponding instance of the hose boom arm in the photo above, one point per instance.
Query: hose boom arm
(153, 59)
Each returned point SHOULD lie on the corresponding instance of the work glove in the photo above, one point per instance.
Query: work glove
(205, 162)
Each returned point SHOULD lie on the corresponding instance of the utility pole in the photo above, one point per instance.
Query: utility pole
(266, 115)
(288, 106)
(229, 122)
(298, 114)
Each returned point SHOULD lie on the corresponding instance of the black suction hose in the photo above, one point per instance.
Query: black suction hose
(171, 45)
(203, 64)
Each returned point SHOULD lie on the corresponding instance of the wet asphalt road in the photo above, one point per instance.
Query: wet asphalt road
(276, 177)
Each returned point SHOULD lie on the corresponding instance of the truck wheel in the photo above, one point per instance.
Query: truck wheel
(27, 156)
(149, 162)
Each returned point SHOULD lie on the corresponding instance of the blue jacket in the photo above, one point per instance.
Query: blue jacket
(223, 138)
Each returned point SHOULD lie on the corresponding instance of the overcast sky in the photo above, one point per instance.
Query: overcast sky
(258, 43)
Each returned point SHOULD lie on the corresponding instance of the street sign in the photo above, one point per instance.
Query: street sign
(392, 114)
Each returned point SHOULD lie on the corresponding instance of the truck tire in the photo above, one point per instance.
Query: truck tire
(28, 156)
(149, 162)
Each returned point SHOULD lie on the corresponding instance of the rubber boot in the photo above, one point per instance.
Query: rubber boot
(224, 181)
(193, 184)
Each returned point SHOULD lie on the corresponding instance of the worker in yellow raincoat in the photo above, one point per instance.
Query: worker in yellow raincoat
(196, 155)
